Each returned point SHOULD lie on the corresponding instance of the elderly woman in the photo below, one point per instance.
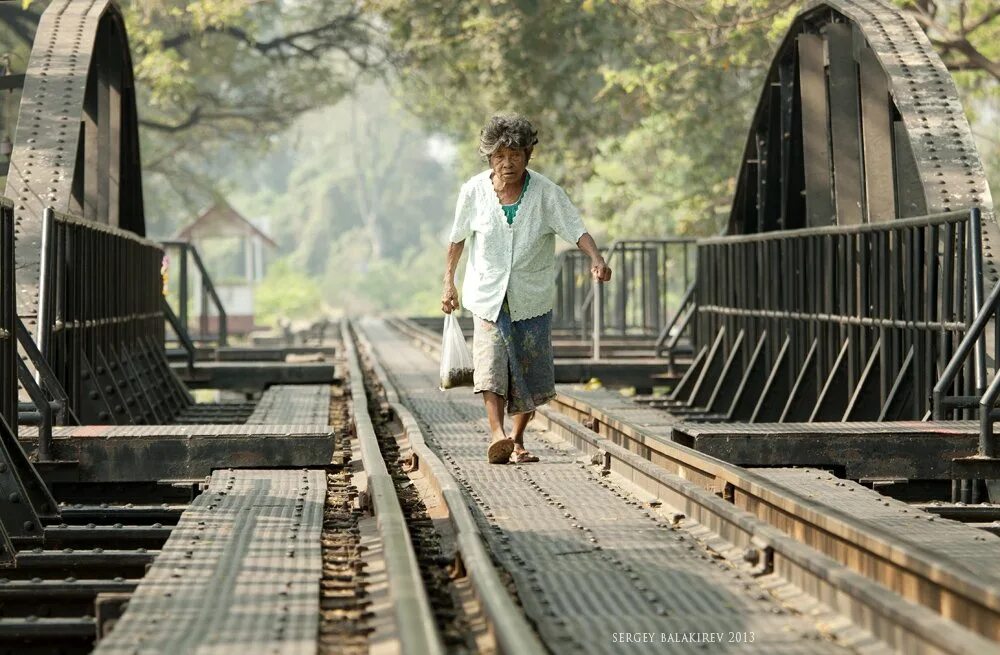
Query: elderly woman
(511, 215)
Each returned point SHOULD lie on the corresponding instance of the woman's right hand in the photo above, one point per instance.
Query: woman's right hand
(449, 298)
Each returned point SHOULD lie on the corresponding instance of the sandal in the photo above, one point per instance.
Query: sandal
(523, 457)
(499, 451)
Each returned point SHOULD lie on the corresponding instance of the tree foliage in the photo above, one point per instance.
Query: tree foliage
(359, 196)
(643, 105)
(286, 294)
(220, 78)
(966, 33)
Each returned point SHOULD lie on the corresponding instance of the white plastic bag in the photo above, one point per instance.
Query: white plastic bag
(456, 358)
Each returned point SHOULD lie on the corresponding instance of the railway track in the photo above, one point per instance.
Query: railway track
(911, 598)
(403, 567)
(412, 554)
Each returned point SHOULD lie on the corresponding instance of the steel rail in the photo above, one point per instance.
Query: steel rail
(904, 595)
(918, 574)
(512, 631)
(904, 626)
(418, 633)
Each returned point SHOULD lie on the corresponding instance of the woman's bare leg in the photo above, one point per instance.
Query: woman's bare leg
(520, 423)
(500, 446)
(494, 412)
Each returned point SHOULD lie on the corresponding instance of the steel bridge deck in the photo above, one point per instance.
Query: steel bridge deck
(253, 376)
(915, 450)
(111, 453)
(587, 564)
(965, 548)
(239, 573)
(297, 404)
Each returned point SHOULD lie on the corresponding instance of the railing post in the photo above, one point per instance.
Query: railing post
(44, 282)
(597, 302)
(223, 326)
(986, 439)
(203, 318)
(182, 313)
(976, 281)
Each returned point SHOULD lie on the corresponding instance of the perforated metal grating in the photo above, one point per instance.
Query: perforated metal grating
(299, 404)
(587, 564)
(960, 546)
(239, 574)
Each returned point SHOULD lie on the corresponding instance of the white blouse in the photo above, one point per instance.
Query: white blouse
(516, 260)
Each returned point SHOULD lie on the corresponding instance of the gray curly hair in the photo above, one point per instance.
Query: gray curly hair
(506, 131)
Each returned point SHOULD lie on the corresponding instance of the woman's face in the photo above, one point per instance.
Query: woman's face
(508, 164)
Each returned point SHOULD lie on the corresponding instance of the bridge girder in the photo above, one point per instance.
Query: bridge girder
(76, 148)
(859, 122)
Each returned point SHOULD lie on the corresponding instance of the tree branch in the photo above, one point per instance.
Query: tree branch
(293, 41)
(951, 42)
(194, 117)
(987, 17)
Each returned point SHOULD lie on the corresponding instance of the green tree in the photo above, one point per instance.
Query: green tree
(359, 197)
(286, 293)
(217, 79)
(643, 105)
(462, 61)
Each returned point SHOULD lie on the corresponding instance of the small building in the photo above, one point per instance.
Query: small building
(235, 253)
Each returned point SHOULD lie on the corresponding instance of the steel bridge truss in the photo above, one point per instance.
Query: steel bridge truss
(859, 122)
(850, 285)
(76, 148)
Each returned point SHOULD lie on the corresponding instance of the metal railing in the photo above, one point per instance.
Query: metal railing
(183, 254)
(966, 370)
(679, 325)
(875, 308)
(645, 293)
(8, 318)
(100, 296)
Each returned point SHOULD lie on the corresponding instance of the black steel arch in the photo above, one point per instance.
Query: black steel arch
(859, 121)
(76, 148)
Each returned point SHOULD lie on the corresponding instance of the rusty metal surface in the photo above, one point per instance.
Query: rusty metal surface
(963, 546)
(941, 140)
(923, 576)
(171, 452)
(250, 377)
(587, 564)
(889, 613)
(177, 431)
(947, 173)
(43, 165)
(865, 449)
(240, 572)
(298, 404)
(943, 428)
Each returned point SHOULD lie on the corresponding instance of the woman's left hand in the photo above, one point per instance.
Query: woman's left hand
(599, 270)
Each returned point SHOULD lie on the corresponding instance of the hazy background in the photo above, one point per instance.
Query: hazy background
(343, 129)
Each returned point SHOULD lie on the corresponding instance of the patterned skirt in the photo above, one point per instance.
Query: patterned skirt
(514, 359)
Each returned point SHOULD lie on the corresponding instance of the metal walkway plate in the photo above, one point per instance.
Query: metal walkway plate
(111, 453)
(239, 574)
(916, 450)
(961, 546)
(593, 571)
(300, 404)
